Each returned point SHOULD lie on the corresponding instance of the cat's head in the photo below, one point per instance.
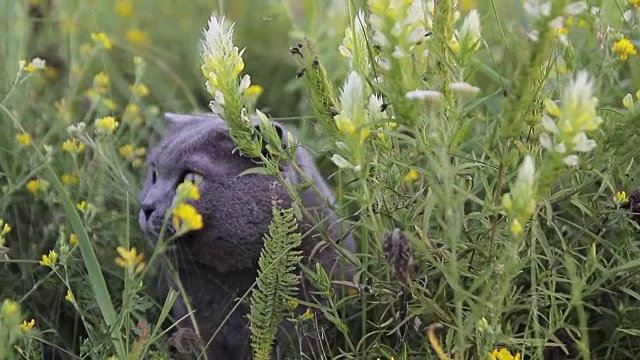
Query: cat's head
(236, 210)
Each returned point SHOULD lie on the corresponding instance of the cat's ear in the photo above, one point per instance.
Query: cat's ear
(175, 120)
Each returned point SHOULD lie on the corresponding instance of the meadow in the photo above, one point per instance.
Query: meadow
(483, 154)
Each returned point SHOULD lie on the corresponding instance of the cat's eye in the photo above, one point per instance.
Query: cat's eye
(193, 177)
(154, 176)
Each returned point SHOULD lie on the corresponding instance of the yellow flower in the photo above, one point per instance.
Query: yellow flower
(23, 139)
(411, 176)
(344, 124)
(101, 79)
(106, 125)
(69, 179)
(307, 315)
(503, 354)
(140, 90)
(123, 8)
(253, 91)
(69, 297)
(27, 326)
(126, 150)
(73, 239)
(516, 227)
(130, 259)
(49, 260)
(102, 39)
(6, 228)
(137, 37)
(293, 303)
(84, 206)
(186, 217)
(9, 307)
(466, 5)
(621, 197)
(624, 48)
(187, 191)
(634, 3)
(73, 146)
(37, 185)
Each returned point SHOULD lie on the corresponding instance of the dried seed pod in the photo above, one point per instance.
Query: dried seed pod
(397, 250)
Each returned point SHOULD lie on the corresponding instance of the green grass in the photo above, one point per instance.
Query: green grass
(549, 271)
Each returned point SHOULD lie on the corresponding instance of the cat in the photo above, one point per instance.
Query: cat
(218, 263)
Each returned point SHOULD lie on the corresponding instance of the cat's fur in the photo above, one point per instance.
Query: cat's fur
(218, 263)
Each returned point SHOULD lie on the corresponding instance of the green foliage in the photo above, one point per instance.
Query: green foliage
(277, 282)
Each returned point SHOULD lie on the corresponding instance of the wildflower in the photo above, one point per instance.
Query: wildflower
(470, 33)
(84, 206)
(35, 65)
(130, 259)
(5, 228)
(73, 239)
(352, 118)
(575, 118)
(466, 5)
(23, 139)
(341, 162)
(308, 315)
(69, 297)
(186, 217)
(503, 354)
(27, 326)
(131, 110)
(576, 8)
(354, 44)
(187, 190)
(516, 227)
(101, 80)
(253, 91)
(140, 90)
(411, 176)
(624, 48)
(464, 88)
(536, 9)
(50, 259)
(634, 3)
(106, 125)
(621, 197)
(37, 185)
(627, 101)
(108, 104)
(222, 62)
(9, 307)
(69, 179)
(520, 202)
(73, 146)
(102, 39)
(137, 37)
(430, 95)
(123, 8)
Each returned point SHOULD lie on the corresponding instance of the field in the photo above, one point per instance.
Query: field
(482, 152)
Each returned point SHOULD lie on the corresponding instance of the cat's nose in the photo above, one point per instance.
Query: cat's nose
(147, 210)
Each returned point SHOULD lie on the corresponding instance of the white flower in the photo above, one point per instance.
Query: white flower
(583, 144)
(545, 141)
(575, 8)
(38, 63)
(549, 124)
(556, 23)
(341, 162)
(571, 160)
(470, 31)
(464, 88)
(352, 97)
(375, 106)
(431, 95)
(526, 176)
(536, 10)
(245, 83)
(627, 101)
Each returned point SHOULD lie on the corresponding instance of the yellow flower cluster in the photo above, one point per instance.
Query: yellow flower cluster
(5, 228)
(27, 326)
(139, 90)
(73, 146)
(69, 179)
(624, 48)
(24, 139)
(185, 216)
(35, 186)
(137, 37)
(106, 125)
(49, 260)
(135, 155)
(503, 354)
(130, 259)
(102, 39)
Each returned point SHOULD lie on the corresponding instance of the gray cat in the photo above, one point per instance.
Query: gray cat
(218, 263)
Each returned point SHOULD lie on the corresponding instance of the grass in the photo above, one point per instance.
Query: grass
(487, 222)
